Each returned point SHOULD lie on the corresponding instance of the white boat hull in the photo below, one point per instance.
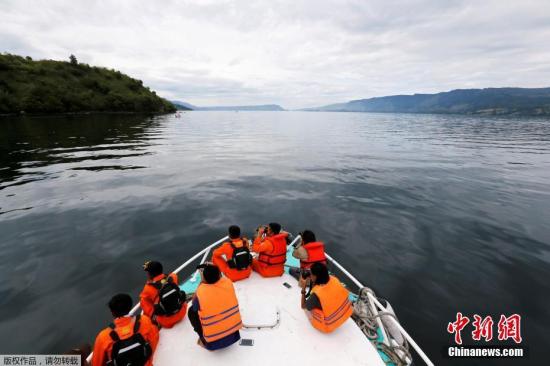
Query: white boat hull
(292, 342)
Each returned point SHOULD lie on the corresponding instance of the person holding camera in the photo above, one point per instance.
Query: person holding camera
(270, 244)
(233, 257)
(328, 303)
(309, 250)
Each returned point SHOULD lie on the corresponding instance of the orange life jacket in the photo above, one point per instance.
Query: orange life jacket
(335, 304)
(315, 253)
(239, 242)
(219, 309)
(277, 256)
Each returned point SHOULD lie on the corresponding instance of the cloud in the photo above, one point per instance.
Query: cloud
(295, 53)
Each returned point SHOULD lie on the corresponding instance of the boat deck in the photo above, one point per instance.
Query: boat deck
(292, 342)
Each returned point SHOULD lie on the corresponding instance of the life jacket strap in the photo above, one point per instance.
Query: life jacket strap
(324, 261)
(158, 284)
(114, 335)
(271, 263)
(273, 255)
(136, 323)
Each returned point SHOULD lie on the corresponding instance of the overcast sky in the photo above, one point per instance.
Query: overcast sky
(294, 53)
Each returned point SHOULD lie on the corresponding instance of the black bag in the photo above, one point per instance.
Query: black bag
(132, 351)
(171, 297)
(242, 259)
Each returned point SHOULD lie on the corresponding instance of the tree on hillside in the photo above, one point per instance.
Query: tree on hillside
(49, 86)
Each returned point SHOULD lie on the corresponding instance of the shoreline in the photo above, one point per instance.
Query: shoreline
(80, 113)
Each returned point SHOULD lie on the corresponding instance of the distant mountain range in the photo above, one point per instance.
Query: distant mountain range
(265, 107)
(490, 101)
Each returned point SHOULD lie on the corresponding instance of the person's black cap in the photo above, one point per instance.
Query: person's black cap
(153, 267)
(210, 272)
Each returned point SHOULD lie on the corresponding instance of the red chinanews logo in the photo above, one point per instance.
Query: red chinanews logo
(507, 327)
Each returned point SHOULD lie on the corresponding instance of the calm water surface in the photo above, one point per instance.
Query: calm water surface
(438, 214)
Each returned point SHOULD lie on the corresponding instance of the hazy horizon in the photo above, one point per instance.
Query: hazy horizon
(295, 54)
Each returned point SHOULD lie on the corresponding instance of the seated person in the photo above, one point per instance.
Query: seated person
(270, 243)
(161, 298)
(328, 305)
(308, 251)
(128, 340)
(237, 264)
(215, 314)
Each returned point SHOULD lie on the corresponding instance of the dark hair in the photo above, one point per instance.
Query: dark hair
(153, 268)
(308, 236)
(276, 228)
(211, 273)
(120, 305)
(234, 231)
(320, 271)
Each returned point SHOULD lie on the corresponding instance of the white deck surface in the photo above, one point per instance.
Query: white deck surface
(293, 342)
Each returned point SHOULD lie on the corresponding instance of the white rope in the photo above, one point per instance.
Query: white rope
(367, 327)
(404, 332)
(360, 286)
(367, 322)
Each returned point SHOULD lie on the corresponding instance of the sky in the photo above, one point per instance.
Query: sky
(291, 52)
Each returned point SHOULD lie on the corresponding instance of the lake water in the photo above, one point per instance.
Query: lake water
(437, 213)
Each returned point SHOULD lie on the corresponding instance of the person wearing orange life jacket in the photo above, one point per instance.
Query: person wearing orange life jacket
(328, 304)
(161, 298)
(308, 250)
(233, 257)
(128, 340)
(270, 244)
(215, 314)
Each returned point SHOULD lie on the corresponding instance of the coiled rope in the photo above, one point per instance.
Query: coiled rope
(366, 320)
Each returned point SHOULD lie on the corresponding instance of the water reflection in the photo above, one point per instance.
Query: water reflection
(30, 143)
(438, 213)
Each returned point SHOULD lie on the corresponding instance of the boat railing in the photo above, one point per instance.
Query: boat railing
(376, 306)
(204, 254)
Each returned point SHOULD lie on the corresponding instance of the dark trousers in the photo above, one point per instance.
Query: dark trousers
(214, 345)
(195, 322)
(295, 272)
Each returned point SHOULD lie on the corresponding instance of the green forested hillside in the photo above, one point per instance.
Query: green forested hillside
(48, 86)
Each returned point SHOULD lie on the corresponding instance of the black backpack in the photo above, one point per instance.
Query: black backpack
(241, 258)
(171, 297)
(132, 351)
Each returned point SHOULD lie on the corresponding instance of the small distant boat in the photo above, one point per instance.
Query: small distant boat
(281, 333)
(178, 115)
